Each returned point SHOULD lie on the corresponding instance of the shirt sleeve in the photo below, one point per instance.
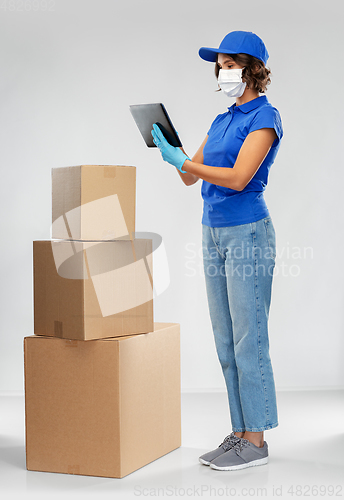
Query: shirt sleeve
(268, 118)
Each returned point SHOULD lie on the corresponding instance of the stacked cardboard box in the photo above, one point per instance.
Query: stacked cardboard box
(102, 380)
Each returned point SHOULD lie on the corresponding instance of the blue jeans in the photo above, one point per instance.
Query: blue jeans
(238, 265)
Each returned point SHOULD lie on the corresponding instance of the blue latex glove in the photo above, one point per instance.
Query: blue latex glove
(172, 155)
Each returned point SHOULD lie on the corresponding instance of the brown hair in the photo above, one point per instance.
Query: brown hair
(255, 74)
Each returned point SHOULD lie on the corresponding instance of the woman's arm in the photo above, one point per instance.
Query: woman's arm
(190, 178)
(251, 155)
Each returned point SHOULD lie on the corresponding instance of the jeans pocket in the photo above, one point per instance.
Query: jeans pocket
(270, 236)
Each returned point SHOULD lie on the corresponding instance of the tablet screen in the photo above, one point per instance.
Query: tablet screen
(145, 115)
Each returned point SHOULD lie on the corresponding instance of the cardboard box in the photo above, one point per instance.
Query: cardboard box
(105, 407)
(90, 290)
(93, 202)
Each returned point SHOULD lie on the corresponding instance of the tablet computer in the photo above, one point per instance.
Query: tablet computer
(145, 115)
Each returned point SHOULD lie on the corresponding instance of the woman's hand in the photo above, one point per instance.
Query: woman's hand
(170, 154)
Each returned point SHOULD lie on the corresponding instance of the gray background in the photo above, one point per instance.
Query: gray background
(67, 77)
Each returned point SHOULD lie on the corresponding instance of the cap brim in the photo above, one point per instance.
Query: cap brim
(210, 55)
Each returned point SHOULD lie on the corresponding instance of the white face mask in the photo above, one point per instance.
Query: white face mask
(231, 83)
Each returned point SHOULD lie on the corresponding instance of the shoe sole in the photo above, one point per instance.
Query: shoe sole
(261, 461)
(205, 462)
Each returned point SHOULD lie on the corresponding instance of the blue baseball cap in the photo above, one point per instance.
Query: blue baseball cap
(237, 42)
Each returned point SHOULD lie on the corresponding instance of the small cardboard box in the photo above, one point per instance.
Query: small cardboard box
(93, 202)
(105, 407)
(91, 290)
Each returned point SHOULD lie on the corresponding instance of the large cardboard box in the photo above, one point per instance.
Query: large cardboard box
(90, 290)
(105, 407)
(93, 202)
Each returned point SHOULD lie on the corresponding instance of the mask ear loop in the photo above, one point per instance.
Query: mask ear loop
(241, 77)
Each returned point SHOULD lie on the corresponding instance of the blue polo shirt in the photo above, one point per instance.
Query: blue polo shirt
(223, 206)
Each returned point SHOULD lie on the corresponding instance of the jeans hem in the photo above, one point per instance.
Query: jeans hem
(257, 429)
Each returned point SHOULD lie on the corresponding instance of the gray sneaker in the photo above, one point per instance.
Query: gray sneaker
(243, 454)
(226, 445)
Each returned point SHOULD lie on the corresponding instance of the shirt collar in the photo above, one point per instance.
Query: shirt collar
(250, 105)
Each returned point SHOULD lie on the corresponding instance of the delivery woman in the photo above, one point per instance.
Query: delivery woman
(238, 241)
